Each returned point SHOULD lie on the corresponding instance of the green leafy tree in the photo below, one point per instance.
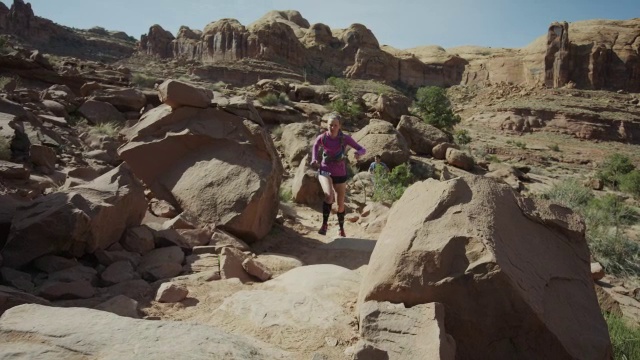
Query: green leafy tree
(434, 107)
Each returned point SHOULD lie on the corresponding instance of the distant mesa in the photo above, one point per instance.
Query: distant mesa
(593, 54)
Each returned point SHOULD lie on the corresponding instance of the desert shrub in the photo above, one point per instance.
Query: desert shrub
(5, 149)
(283, 98)
(606, 218)
(347, 104)
(492, 158)
(143, 81)
(625, 338)
(569, 193)
(517, 143)
(630, 183)
(389, 186)
(277, 131)
(269, 100)
(613, 168)
(554, 147)
(462, 137)
(434, 107)
(285, 193)
(110, 129)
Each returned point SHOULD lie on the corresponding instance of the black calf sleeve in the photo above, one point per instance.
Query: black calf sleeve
(341, 219)
(326, 211)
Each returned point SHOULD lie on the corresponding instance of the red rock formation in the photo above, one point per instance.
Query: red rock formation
(284, 37)
(158, 42)
(556, 60)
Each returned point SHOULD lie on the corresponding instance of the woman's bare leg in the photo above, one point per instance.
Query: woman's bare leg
(340, 190)
(327, 188)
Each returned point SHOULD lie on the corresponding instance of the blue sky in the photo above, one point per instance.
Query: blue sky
(399, 23)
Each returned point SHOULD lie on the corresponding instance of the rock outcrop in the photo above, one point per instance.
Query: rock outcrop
(512, 273)
(218, 167)
(286, 37)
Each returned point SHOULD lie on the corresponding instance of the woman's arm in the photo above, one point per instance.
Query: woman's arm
(360, 150)
(316, 146)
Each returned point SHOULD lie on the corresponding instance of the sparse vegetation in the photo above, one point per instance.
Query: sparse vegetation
(143, 81)
(630, 183)
(607, 219)
(270, 99)
(277, 131)
(434, 107)
(517, 143)
(554, 147)
(285, 193)
(110, 129)
(347, 104)
(614, 168)
(462, 137)
(625, 338)
(389, 186)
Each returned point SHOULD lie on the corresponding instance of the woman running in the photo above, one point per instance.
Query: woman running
(332, 170)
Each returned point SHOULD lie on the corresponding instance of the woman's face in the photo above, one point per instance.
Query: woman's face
(333, 126)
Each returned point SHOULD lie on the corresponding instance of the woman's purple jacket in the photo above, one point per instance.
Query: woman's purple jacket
(332, 147)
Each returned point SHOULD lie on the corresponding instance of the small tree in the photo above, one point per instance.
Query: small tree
(347, 104)
(434, 107)
(613, 168)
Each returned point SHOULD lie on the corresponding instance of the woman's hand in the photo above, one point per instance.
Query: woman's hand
(314, 164)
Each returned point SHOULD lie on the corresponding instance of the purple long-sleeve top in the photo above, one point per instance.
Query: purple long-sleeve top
(332, 148)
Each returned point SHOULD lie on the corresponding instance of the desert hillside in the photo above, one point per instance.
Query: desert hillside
(158, 199)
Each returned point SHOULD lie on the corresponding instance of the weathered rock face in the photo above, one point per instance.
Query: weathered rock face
(65, 332)
(76, 221)
(286, 37)
(217, 167)
(556, 60)
(512, 273)
(380, 138)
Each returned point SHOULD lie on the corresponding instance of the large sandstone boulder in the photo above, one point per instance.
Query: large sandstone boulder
(404, 333)
(512, 273)
(63, 333)
(306, 188)
(219, 168)
(381, 138)
(421, 137)
(76, 221)
(297, 141)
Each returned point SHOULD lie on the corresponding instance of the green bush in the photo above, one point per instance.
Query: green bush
(569, 193)
(143, 81)
(606, 219)
(462, 137)
(269, 100)
(625, 338)
(434, 107)
(554, 147)
(347, 104)
(285, 194)
(630, 183)
(613, 168)
(110, 129)
(389, 186)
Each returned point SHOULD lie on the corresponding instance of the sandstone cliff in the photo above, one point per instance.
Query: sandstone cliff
(594, 54)
(285, 37)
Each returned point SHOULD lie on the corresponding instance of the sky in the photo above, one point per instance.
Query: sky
(399, 23)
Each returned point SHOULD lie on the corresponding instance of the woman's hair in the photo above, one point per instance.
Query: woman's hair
(332, 116)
